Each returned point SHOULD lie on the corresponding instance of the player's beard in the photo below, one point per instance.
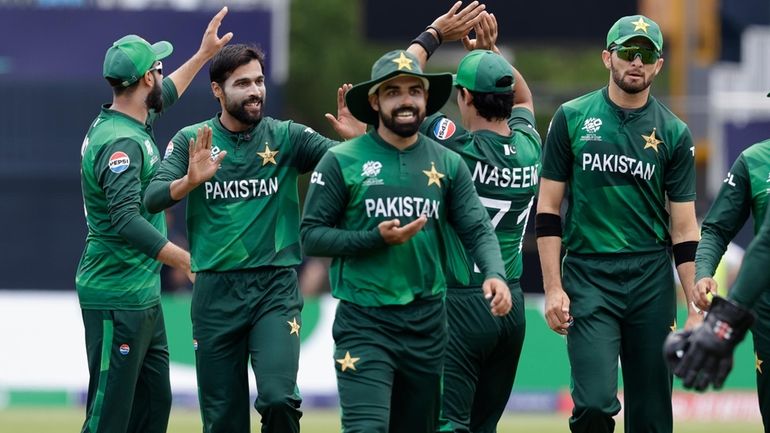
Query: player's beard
(154, 99)
(631, 88)
(399, 128)
(238, 110)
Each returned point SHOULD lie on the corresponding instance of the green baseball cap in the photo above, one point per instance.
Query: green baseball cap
(391, 65)
(484, 71)
(635, 26)
(131, 56)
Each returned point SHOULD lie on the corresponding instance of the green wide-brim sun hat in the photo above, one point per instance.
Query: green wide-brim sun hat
(391, 65)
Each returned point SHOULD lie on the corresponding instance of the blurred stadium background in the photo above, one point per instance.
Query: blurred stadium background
(715, 78)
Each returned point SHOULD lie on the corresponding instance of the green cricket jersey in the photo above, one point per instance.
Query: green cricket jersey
(118, 269)
(744, 191)
(247, 215)
(620, 166)
(505, 172)
(366, 181)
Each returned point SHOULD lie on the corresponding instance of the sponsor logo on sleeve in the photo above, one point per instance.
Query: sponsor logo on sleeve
(119, 162)
(444, 129)
(169, 149)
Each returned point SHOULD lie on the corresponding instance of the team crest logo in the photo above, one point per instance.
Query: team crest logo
(148, 146)
(119, 162)
(444, 129)
(214, 152)
(169, 149)
(124, 349)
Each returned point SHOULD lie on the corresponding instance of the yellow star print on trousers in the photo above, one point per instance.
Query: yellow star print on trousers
(294, 326)
(347, 362)
(758, 363)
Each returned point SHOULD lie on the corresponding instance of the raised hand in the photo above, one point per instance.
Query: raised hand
(394, 234)
(202, 166)
(486, 34)
(499, 296)
(344, 123)
(211, 42)
(456, 23)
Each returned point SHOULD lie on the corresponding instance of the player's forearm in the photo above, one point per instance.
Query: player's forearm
(142, 235)
(183, 76)
(711, 248)
(686, 273)
(157, 196)
(549, 250)
(522, 95)
(324, 241)
(174, 256)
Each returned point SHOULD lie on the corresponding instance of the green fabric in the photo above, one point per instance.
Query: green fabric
(635, 26)
(366, 181)
(391, 65)
(505, 173)
(130, 57)
(753, 280)
(743, 192)
(129, 388)
(239, 316)
(482, 70)
(118, 270)
(388, 362)
(247, 215)
(620, 168)
(622, 306)
(481, 359)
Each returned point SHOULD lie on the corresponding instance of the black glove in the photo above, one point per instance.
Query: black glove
(704, 355)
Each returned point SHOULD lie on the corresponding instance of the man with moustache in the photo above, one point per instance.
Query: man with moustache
(379, 205)
(240, 180)
(118, 278)
(622, 154)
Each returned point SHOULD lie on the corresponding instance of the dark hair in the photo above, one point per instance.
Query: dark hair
(117, 86)
(231, 57)
(492, 106)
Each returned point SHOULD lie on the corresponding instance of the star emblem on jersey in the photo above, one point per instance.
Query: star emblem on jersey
(347, 362)
(268, 156)
(434, 177)
(651, 141)
(294, 326)
(758, 362)
(403, 62)
(640, 24)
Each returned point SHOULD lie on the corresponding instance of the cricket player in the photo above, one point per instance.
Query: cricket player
(498, 143)
(118, 278)
(626, 164)
(243, 230)
(380, 205)
(743, 193)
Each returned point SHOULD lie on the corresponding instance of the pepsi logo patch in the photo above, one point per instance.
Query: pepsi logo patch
(124, 349)
(195, 344)
(119, 162)
(169, 149)
(444, 129)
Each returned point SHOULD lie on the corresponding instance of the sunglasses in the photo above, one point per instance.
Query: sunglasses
(158, 67)
(646, 55)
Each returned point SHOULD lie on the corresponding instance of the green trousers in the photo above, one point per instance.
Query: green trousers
(128, 389)
(389, 362)
(241, 316)
(481, 360)
(623, 306)
(761, 334)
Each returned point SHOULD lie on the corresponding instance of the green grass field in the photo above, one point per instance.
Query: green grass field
(45, 420)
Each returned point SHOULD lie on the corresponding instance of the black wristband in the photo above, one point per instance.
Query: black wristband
(547, 224)
(439, 35)
(684, 252)
(427, 41)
